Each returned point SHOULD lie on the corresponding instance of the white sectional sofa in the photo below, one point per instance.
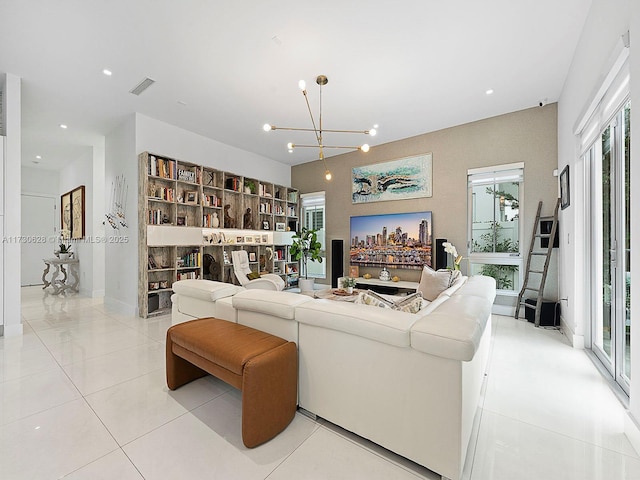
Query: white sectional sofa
(408, 382)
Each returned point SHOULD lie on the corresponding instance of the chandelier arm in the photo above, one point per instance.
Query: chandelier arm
(315, 129)
(297, 145)
(273, 127)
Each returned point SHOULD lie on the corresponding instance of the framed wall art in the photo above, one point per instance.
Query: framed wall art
(65, 212)
(402, 179)
(77, 212)
(72, 213)
(565, 192)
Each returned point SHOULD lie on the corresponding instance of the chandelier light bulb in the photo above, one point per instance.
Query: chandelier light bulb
(266, 127)
(302, 85)
(327, 175)
(373, 132)
(364, 148)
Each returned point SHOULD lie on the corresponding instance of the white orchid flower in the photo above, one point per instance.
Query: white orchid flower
(449, 248)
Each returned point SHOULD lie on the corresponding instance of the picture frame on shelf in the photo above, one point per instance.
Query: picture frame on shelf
(265, 238)
(181, 221)
(225, 258)
(354, 271)
(248, 239)
(265, 225)
(256, 239)
(239, 239)
(191, 197)
(565, 192)
(281, 227)
(252, 256)
(186, 176)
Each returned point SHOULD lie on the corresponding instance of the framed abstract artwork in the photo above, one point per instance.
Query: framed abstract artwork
(402, 179)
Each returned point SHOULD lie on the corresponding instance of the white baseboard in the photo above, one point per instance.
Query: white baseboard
(119, 307)
(577, 341)
(12, 330)
(632, 431)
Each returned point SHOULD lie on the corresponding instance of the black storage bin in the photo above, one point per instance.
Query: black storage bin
(549, 313)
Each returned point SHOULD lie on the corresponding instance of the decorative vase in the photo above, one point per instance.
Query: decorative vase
(384, 274)
(215, 221)
(349, 290)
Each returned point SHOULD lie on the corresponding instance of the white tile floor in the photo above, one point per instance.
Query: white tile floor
(83, 396)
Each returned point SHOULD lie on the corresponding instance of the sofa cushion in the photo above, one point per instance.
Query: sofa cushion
(433, 283)
(479, 286)
(205, 289)
(282, 304)
(457, 284)
(380, 324)
(454, 329)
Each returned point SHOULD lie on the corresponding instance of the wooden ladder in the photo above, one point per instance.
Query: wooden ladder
(539, 290)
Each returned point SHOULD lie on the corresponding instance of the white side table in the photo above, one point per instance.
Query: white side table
(59, 277)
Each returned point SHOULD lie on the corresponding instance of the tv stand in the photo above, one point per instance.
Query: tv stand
(387, 286)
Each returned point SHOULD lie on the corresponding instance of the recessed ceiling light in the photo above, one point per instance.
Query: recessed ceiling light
(62, 125)
(184, 104)
(107, 72)
(38, 157)
(489, 92)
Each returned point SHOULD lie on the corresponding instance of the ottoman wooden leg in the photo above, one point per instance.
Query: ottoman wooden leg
(179, 370)
(269, 394)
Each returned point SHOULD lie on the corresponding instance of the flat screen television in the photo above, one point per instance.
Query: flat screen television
(393, 240)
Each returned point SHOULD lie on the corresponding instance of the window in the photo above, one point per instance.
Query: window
(313, 217)
(494, 231)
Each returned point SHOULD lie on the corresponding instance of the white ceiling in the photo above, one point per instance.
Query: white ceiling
(411, 66)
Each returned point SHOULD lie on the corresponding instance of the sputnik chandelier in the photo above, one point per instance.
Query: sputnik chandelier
(321, 80)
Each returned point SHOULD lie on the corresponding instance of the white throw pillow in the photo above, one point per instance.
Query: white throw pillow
(433, 283)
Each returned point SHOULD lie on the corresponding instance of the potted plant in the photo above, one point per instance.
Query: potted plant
(305, 247)
(348, 283)
(65, 251)
(249, 186)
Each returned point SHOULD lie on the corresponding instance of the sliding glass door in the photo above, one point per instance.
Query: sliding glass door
(609, 158)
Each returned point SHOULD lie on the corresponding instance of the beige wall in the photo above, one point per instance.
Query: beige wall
(528, 136)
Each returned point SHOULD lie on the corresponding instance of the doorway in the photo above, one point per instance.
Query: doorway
(38, 236)
(610, 160)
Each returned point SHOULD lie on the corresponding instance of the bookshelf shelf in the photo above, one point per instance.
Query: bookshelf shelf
(176, 196)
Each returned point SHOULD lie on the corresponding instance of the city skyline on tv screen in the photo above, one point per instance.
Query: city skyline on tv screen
(394, 240)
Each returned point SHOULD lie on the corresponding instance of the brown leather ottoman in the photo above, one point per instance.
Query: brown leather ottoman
(263, 366)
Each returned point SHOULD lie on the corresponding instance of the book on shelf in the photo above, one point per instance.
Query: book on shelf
(189, 260)
(187, 275)
(161, 167)
(233, 183)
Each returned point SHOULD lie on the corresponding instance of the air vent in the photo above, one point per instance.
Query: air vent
(142, 86)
